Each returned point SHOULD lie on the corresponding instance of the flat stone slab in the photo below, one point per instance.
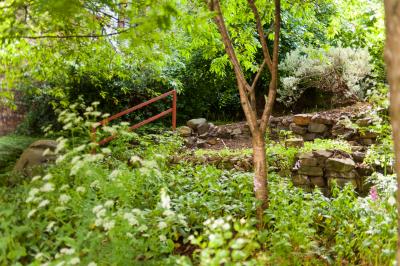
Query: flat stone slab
(340, 165)
(310, 170)
(302, 119)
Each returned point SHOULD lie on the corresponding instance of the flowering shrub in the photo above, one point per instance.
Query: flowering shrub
(343, 71)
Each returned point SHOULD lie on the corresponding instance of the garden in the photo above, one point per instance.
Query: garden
(282, 147)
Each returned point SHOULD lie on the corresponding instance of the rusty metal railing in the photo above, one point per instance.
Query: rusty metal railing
(134, 108)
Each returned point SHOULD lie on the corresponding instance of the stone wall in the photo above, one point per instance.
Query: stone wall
(9, 118)
(322, 168)
(312, 126)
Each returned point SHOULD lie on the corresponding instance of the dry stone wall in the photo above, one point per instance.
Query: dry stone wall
(322, 168)
(311, 126)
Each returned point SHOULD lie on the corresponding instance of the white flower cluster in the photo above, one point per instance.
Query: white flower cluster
(100, 212)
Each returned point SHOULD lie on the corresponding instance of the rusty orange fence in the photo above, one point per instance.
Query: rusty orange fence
(171, 110)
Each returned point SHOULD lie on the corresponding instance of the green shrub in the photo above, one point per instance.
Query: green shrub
(341, 71)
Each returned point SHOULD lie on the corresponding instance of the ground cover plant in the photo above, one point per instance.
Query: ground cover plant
(127, 205)
(137, 200)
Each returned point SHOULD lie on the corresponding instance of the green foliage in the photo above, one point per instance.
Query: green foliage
(326, 144)
(11, 147)
(197, 99)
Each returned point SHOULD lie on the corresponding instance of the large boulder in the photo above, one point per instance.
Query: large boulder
(340, 165)
(38, 153)
(203, 128)
(195, 123)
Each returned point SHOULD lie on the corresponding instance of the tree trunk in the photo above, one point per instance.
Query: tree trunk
(260, 175)
(248, 95)
(392, 56)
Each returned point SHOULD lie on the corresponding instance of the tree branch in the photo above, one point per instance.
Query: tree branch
(273, 85)
(258, 75)
(243, 86)
(260, 31)
(69, 36)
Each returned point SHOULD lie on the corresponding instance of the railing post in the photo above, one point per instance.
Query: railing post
(174, 110)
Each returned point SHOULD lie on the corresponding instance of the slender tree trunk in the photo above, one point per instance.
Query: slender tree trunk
(248, 95)
(260, 174)
(392, 56)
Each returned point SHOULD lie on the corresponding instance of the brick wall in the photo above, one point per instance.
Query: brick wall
(10, 119)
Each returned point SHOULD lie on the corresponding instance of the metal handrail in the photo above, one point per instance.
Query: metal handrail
(134, 108)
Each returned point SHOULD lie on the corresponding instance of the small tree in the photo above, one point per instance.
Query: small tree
(248, 95)
(392, 57)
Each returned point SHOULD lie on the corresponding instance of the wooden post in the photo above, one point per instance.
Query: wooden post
(174, 98)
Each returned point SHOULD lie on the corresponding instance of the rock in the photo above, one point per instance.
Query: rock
(325, 154)
(307, 159)
(335, 174)
(363, 122)
(294, 142)
(340, 130)
(274, 120)
(322, 120)
(357, 148)
(302, 119)
(368, 135)
(201, 143)
(212, 141)
(309, 136)
(236, 132)
(310, 170)
(358, 156)
(39, 153)
(299, 180)
(44, 144)
(184, 131)
(366, 142)
(194, 123)
(203, 136)
(223, 133)
(364, 169)
(297, 129)
(341, 182)
(318, 181)
(203, 128)
(317, 128)
(190, 142)
(285, 122)
(339, 165)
